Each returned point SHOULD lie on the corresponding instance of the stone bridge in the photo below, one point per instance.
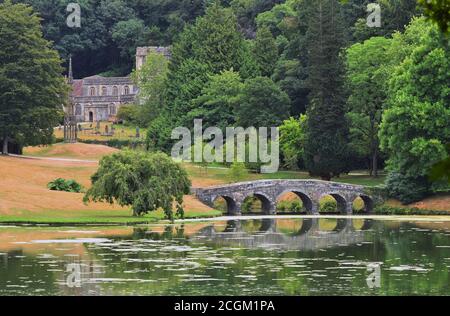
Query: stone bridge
(309, 191)
(308, 237)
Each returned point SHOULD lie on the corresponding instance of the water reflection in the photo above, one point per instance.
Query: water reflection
(251, 257)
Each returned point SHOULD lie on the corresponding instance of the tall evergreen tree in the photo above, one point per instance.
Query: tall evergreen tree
(265, 51)
(327, 133)
(32, 88)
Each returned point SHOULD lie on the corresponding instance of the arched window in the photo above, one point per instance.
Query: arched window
(104, 91)
(112, 109)
(126, 90)
(115, 91)
(92, 91)
(78, 109)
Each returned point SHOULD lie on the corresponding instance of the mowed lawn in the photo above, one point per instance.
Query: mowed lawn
(24, 196)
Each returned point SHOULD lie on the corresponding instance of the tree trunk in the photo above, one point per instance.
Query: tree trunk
(5, 146)
(375, 163)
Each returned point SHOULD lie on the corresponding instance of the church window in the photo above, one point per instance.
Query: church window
(92, 91)
(104, 91)
(78, 109)
(115, 91)
(126, 90)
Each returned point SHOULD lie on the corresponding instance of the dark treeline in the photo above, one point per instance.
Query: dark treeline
(112, 29)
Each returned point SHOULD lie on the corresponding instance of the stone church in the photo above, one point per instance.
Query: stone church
(98, 98)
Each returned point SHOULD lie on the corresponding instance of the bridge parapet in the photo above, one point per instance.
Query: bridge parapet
(309, 191)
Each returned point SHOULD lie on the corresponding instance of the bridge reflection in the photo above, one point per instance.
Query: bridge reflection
(309, 236)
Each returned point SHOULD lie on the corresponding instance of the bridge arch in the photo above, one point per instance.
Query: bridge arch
(231, 205)
(267, 206)
(306, 200)
(368, 203)
(341, 202)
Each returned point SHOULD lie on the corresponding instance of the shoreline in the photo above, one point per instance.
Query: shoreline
(406, 218)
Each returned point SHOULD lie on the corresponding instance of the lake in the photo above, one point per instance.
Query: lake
(283, 256)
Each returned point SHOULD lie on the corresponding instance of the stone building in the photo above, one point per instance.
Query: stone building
(98, 98)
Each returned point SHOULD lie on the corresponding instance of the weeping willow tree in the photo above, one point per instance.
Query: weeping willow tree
(145, 181)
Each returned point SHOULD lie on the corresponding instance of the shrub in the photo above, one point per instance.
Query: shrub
(328, 206)
(65, 185)
(115, 143)
(407, 189)
(391, 210)
(237, 171)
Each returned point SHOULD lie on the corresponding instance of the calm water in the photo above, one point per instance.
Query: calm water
(252, 257)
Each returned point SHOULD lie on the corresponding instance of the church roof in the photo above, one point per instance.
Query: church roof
(77, 88)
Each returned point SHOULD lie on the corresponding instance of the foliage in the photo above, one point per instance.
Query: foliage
(391, 210)
(261, 104)
(367, 72)
(290, 207)
(146, 182)
(414, 130)
(65, 185)
(292, 141)
(111, 30)
(265, 51)
(218, 99)
(329, 206)
(114, 142)
(327, 133)
(129, 114)
(406, 188)
(441, 170)
(439, 12)
(32, 88)
(151, 79)
(237, 171)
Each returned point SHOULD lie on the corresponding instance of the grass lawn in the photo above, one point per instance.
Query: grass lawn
(24, 197)
(92, 217)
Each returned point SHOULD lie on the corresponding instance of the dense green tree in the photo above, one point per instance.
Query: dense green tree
(367, 72)
(128, 35)
(217, 100)
(146, 182)
(217, 40)
(247, 11)
(32, 88)
(327, 133)
(261, 104)
(92, 46)
(152, 82)
(438, 11)
(395, 15)
(414, 129)
(265, 51)
(292, 141)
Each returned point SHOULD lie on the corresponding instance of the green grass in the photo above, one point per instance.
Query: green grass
(93, 217)
(222, 174)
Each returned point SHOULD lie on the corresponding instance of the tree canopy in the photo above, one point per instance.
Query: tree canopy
(32, 88)
(145, 181)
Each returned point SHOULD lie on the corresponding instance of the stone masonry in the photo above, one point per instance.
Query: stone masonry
(269, 191)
